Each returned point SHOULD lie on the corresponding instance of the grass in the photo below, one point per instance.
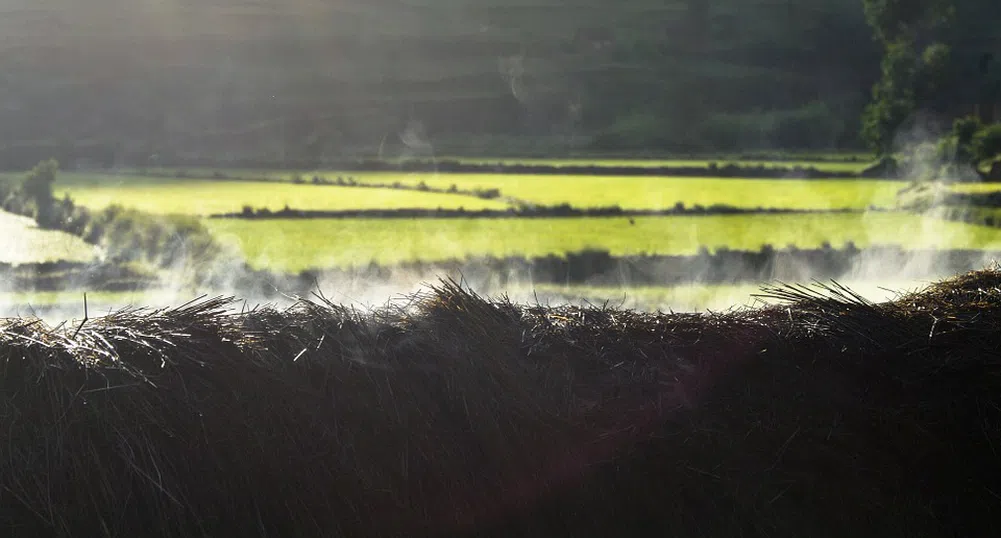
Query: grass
(975, 188)
(23, 242)
(295, 245)
(205, 197)
(662, 192)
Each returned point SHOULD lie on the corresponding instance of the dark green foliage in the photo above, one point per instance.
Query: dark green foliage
(126, 235)
(280, 98)
(487, 193)
(971, 145)
(894, 97)
(936, 63)
(986, 144)
(37, 186)
(904, 20)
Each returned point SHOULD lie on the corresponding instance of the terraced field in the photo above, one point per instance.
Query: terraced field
(295, 245)
(663, 193)
(208, 196)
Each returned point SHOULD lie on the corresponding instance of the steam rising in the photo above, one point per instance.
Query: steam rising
(871, 274)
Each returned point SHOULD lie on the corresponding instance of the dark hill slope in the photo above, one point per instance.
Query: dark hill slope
(311, 79)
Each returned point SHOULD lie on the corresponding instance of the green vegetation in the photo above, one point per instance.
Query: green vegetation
(662, 193)
(226, 81)
(835, 162)
(37, 186)
(289, 245)
(125, 235)
(208, 196)
(941, 58)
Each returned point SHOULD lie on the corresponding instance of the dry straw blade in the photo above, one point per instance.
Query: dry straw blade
(454, 415)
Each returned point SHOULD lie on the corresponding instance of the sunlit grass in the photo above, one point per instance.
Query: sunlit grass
(295, 245)
(976, 187)
(207, 196)
(23, 242)
(661, 193)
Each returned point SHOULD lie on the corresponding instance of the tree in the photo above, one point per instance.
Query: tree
(933, 56)
(913, 64)
(974, 146)
(986, 148)
(37, 186)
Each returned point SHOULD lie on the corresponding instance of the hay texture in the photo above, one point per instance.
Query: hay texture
(453, 415)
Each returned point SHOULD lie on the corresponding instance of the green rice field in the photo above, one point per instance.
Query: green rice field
(210, 196)
(630, 192)
(206, 197)
(295, 245)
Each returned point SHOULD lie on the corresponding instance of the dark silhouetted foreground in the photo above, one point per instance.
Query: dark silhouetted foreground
(457, 416)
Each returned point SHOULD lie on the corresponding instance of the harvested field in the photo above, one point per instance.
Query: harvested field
(455, 416)
(22, 241)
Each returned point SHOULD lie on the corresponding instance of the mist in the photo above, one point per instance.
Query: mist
(117, 86)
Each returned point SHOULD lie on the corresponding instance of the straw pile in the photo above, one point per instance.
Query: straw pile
(457, 416)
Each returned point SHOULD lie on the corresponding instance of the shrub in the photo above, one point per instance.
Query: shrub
(487, 194)
(37, 186)
(986, 143)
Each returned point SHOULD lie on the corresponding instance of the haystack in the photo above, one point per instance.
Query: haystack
(453, 415)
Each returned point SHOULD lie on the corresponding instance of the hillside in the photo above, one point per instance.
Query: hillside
(111, 79)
